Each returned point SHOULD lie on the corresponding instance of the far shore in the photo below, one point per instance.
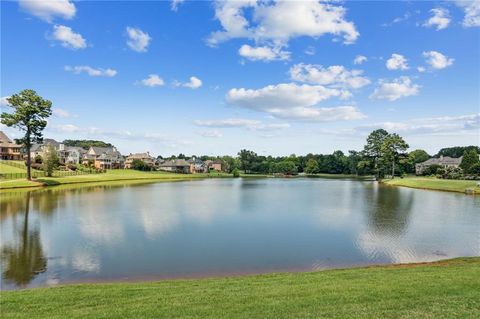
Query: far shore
(117, 177)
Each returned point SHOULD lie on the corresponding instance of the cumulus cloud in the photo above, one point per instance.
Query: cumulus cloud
(359, 59)
(433, 125)
(440, 19)
(137, 39)
(58, 112)
(395, 89)
(437, 60)
(263, 53)
(242, 123)
(68, 38)
(48, 10)
(293, 101)
(309, 18)
(175, 3)
(397, 62)
(334, 76)
(472, 12)
(194, 83)
(90, 71)
(152, 80)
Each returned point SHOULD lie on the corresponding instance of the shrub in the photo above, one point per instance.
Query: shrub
(433, 170)
(72, 167)
(38, 159)
(236, 172)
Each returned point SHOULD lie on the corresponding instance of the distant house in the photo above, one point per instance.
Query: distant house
(42, 148)
(214, 165)
(199, 166)
(9, 150)
(177, 166)
(103, 158)
(443, 161)
(74, 154)
(144, 157)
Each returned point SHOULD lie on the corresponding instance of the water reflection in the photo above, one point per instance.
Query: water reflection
(23, 259)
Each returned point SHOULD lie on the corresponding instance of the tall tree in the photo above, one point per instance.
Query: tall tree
(470, 158)
(393, 145)
(311, 167)
(373, 148)
(247, 159)
(30, 114)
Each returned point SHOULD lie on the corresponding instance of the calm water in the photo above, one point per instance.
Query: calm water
(226, 226)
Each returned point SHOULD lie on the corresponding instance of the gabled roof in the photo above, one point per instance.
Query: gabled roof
(5, 141)
(175, 163)
(443, 161)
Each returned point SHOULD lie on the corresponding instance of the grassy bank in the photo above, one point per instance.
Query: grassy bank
(434, 184)
(446, 289)
(111, 176)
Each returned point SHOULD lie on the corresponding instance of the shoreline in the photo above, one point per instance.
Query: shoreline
(426, 289)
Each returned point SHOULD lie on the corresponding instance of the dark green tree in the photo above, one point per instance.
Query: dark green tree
(311, 167)
(470, 158)
(373, 149)
(247, 160)
(393, 145)
(29, 115)
(51, 161)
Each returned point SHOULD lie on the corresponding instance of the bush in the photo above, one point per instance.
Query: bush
(474, 169)
(236, 172)
(38, 159)
(72, 167)
(434, 169)
(37, 166)
(451, 173)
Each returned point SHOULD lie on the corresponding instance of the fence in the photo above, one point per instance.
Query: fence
(38, 173)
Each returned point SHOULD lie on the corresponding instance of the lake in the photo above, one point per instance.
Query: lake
(218, 227)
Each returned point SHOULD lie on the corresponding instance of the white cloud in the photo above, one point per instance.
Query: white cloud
(421, 69)
(58, 112)
(211, 134)
(398, 88)
(335, 75)
(359, 59)
(437, 60)
(137, 39)
(264, 53)
(433, 125)
(4, 102)
(440, 19)
(194, 83)
(472, 12)
(253, 125)
(152, 80)
(90, 71)
(310, 50)
(280, 21)
(175, 3)
(68, 38)
(48, 10)
(292, 101)
(397, 62)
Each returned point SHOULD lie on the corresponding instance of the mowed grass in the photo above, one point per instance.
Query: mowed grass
(7, 169)
(435, 184)
(111, 176)
(447, 289)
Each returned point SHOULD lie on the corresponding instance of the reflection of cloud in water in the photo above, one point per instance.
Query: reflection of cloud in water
(85, 261)
(158, 222)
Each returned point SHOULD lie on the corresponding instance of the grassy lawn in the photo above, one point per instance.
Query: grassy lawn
(111, 176)
(7, 169)
(446, 289)
(434, 184)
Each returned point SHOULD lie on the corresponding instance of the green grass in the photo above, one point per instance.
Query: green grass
(434, 184)
(7, 169)
(447, 289)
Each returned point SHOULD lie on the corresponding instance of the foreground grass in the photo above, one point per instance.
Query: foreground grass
(111, 176)
(435, 184)
(447, 289)
(7, 169)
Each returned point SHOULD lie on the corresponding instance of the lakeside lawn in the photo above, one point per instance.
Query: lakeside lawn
(434, 184)
(445, 289)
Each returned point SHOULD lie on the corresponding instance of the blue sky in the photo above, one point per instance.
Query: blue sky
(282, 77)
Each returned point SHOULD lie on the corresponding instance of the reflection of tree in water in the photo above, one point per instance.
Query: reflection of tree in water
(23, 259)
(389, 208)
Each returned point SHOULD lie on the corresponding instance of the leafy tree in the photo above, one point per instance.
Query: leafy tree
(415, 157)
(38, 159)
(474, 169)
(51, 160)
(470, 158)
(286, 167)
(85, 144)
(236, 172)
(391, 148)
(432, 170)
(140, 165)
(31, 112)
(456, 151)
(247, 159)
(311, 167)
(373, 148)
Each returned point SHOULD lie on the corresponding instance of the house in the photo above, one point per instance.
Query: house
(42, 148)
(103, 158)
(443, 161)
(177, 166)
(214, 165)
(74, 154)
(144, 157)
(9, 150)
(198, 165)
